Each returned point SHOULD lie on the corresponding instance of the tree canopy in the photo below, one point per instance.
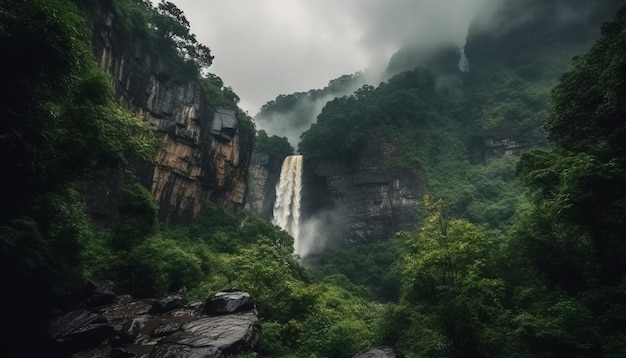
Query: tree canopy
(590, 100)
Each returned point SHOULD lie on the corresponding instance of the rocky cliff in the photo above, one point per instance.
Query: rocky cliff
(263, 175)
(366, 197)
(343, 201)
(197, 161)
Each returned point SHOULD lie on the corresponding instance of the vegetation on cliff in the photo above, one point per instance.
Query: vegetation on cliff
(275, 146)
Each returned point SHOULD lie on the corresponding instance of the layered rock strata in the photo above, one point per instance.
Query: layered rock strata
(263, 175)
(204, 153)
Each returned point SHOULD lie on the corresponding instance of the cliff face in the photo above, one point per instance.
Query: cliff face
(263, 175)
(195, 162)
(368, 199)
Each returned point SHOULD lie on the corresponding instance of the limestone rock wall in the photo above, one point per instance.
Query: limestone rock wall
(192, 165)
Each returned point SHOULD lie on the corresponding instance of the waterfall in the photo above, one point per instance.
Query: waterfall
(464, 64)
(287, 204)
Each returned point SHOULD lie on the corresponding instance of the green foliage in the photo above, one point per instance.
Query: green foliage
(218, 94)
(408, 102)
(60, 120)
(225, 250)
(293, 113)
(413, 122)
(446, 276)
(365, 270)
(137, 217)
(165, 32)
(275, 146)
(60, 123)
(556, 324)
(95, 132)
(133, 16)
(589, 105)
(224, 232)
(338, 324)
(172, 25)
(494, 193)
(572, 230)
(57, 228)
(159, 265)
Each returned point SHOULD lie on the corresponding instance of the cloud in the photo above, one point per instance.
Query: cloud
(293, 123)
(264, 48)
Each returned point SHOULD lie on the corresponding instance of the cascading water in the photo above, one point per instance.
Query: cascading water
(464, 64)
(287, 205)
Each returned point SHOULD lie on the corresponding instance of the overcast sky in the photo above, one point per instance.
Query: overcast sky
(263, 48)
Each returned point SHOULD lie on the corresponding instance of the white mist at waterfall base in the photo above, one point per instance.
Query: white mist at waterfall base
(288, 196)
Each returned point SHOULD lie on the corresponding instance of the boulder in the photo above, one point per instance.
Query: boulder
(98, 293)
(228, 302)
(378, 352)
(128, 327)
(79, 330)
(168, 303)
(212, 337)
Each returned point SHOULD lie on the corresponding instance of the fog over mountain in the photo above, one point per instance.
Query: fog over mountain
(271, 47)
(264, 48)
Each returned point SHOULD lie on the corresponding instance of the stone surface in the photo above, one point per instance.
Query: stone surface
(165, 329)
(183, 351)
(212, 337)
(378, 352)
(224, 126)
(168, 303)
(98, 292)
(130, 328)
(228, 302)
(77, 330)
(263, 175)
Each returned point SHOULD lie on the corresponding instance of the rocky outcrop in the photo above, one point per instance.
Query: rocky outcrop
(369, 198)
(78, 330)
(205, 152)
(263, 175)
(228, 302)
(134, 328)
(212, 337)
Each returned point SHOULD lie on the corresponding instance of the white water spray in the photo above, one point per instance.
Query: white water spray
(464, 64)
(288, 194)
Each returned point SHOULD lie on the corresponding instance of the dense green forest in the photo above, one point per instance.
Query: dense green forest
(497, 268)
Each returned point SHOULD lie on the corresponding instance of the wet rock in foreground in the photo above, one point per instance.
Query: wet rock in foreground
(212, 337)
